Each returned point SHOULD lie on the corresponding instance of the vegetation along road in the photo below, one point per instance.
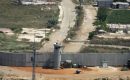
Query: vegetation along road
(68, 21)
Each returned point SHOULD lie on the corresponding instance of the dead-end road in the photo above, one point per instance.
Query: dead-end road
(68, 21)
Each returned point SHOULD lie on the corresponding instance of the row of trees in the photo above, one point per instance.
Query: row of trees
(100, 21)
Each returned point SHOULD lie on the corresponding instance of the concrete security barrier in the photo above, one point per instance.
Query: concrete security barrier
(45, 59)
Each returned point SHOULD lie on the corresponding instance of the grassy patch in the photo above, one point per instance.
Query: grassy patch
(103, 50)
(16, 17)
(119, 16)
(115, 41)
(13, 15)
(9, 43)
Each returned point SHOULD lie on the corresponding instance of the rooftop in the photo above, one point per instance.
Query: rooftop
(123, 3)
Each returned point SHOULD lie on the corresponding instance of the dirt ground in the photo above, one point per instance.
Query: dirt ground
(89, 73)
(66, 71)
(82, 34)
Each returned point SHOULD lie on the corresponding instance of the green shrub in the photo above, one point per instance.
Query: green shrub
(124, 69)
(91, 35)
(16, 29)
(79, 17)
(52, 22)
(47, 39)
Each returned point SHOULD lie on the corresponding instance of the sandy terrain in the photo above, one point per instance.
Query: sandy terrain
(89, 73)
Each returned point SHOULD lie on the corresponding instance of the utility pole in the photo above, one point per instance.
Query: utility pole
(33, 60)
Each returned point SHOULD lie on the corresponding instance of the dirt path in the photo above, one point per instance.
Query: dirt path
(82, 34)
(68, 20)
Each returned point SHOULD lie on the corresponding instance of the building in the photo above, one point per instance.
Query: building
(104, 3)
(120, 5)
(37, 2)
(128, 1)
(119, 27)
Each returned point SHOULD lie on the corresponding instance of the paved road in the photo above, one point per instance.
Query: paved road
(68, 21)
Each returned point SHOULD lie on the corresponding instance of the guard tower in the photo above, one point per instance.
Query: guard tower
(57, 56)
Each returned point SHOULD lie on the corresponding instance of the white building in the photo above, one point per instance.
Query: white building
(37, 2)
(120, 5)
(119, 27)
